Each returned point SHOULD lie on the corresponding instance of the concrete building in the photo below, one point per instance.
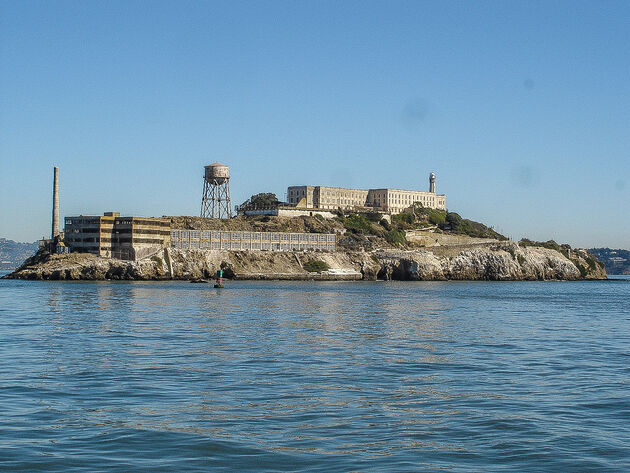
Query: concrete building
(387, 200)
(128, 238)
(251, 241)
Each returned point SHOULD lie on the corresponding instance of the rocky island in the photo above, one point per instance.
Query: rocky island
(421, 244)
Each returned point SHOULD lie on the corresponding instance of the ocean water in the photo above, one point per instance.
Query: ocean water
(326, 376)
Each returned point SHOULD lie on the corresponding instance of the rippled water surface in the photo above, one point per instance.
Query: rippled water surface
(299, 376)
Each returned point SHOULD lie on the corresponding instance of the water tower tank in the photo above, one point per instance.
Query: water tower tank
(217, 173)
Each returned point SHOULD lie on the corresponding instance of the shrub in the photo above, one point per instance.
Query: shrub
(582, 270)
(404, 217)
(385, 224)
(591, 263)
(356, 223)
(262, 200)
(454, 220)
(396, 237)
(373, 216)
(549, 244)
(437, 217)
(315, 266)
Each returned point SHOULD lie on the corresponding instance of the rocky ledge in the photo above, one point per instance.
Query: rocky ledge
(504, 261)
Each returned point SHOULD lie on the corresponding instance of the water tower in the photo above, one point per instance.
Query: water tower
(216, 192)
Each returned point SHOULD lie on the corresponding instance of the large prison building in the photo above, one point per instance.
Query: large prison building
(381, 200)
(386, 200)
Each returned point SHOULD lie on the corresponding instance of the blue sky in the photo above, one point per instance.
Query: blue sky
(522, 109)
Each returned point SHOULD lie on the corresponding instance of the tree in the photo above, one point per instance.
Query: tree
(262, 200)
(454, 220)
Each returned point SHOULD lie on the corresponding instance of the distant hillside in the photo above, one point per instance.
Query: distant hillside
(13, 254)
(616, 261)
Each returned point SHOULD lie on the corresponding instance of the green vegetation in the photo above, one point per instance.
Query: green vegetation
(582, 269)
(463, 226)
(404, 218)
(373, 216)
(396, 237)
(356, 223)
(315, 266)
(437, 217)
(521, 259)
(550, 244)
(592, 264)
(371, 224)
(511, 251)
(262, 200)
(433, 216)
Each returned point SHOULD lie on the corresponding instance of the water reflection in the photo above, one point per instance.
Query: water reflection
(386, 370)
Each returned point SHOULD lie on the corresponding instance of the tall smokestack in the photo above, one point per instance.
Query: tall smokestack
(55, 213)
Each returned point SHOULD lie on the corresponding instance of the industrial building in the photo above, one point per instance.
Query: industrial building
(110, 235)
(386, 200)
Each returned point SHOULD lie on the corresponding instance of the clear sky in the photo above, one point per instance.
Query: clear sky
(522, 109)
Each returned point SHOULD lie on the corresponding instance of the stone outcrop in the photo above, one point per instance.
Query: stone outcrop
(501, 261)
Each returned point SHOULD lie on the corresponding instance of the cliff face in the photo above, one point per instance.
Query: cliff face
(500, 262)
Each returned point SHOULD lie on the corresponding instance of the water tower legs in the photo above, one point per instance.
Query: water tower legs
(215, 202)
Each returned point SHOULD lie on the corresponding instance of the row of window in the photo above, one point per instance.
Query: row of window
(227, 245)
(272, 236)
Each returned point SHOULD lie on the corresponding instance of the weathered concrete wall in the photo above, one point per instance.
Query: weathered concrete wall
(283, 212)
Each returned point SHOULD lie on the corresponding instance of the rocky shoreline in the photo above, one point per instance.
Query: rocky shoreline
(501, 261)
